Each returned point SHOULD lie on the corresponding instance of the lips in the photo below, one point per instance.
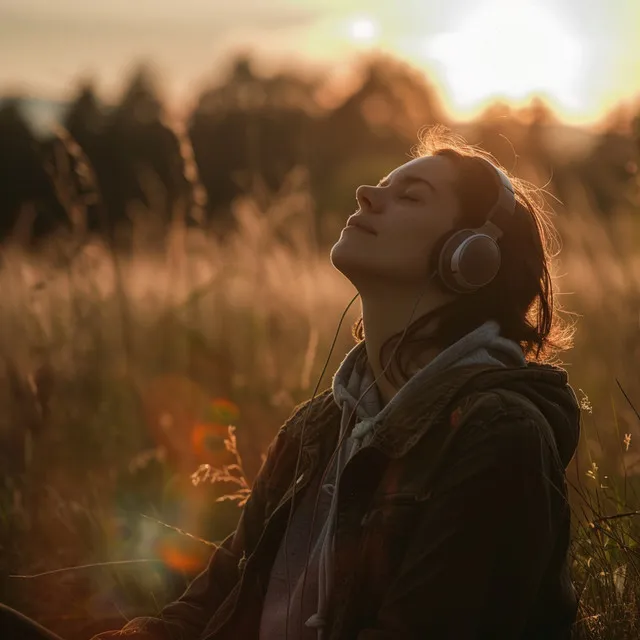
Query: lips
(361, 224)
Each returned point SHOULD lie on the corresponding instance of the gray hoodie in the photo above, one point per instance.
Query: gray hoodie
(484, 345)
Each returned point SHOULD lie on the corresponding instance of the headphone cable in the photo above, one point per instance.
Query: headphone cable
(337, 448)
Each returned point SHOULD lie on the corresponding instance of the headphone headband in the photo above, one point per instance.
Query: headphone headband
(505, 206)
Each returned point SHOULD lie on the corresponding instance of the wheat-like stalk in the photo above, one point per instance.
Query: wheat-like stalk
(229, 473)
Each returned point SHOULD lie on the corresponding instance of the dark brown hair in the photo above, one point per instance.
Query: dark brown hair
(520, 298)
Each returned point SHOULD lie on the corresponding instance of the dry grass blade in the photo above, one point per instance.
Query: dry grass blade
(229, 473)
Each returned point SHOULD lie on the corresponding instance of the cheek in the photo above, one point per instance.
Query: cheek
(417, 238)
(402, 251)
(410, 246)
(410, 252)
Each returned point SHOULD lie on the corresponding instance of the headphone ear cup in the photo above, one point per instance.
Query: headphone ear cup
(468, 261)
(436, 252)
(452, 241)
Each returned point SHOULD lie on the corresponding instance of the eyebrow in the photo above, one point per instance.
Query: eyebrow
(408, 180)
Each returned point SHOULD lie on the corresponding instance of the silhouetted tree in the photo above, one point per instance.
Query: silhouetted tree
(27, 196)
(135, 154)
(144, 151)
(75, 184)
(249, 132)
(87, 122)
(85, 118)
(608, 173)
(251, 129)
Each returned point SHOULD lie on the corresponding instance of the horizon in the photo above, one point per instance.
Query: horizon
(187, 44)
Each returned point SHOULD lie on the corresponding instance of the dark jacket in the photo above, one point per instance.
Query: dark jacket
(453, 522)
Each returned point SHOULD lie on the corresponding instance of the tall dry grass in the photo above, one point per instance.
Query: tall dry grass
(121, 374)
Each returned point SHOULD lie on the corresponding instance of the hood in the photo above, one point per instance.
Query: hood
(483, 346)
(548, 388)
(545, 385)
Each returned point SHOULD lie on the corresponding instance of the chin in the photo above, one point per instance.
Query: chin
(347, 258)
(357, 266)
(365, 272)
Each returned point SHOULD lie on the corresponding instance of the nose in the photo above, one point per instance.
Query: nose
(367, 197)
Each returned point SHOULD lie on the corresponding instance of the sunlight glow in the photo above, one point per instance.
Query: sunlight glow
(510, 50)
(363, 29)
(581, 57)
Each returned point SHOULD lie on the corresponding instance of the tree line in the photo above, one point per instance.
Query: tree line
(248, 132)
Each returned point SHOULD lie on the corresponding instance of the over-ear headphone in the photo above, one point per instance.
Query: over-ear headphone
(470, 259)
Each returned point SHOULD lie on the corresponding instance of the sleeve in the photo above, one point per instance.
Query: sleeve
(481, 546)
(186, 617)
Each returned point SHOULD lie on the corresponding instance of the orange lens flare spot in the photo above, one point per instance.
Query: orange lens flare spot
(208, 438)
(178, 558)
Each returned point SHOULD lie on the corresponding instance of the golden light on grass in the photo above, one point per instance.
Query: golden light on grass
(271, 303)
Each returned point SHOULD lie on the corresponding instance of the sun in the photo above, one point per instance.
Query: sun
(363, 29)
(509, 49)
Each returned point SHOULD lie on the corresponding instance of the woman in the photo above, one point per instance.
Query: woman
(422, 495)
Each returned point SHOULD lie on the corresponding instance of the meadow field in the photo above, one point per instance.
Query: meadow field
(121, 373)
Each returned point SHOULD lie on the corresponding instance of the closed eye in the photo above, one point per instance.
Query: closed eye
(411, 198)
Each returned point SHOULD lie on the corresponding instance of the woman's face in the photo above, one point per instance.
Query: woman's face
(408, 212)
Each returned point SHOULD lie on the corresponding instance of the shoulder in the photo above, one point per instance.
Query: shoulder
(507, 423)
(313, 413)
(496, 406)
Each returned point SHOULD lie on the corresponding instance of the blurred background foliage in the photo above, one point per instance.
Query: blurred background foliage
(163, 278)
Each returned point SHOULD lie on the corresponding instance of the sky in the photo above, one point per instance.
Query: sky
(583, 56)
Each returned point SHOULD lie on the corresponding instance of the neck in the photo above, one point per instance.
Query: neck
(388, 312)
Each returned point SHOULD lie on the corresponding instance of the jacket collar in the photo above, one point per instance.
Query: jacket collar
(406, 423)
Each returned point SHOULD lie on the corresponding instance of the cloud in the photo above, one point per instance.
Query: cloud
(77, 13)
